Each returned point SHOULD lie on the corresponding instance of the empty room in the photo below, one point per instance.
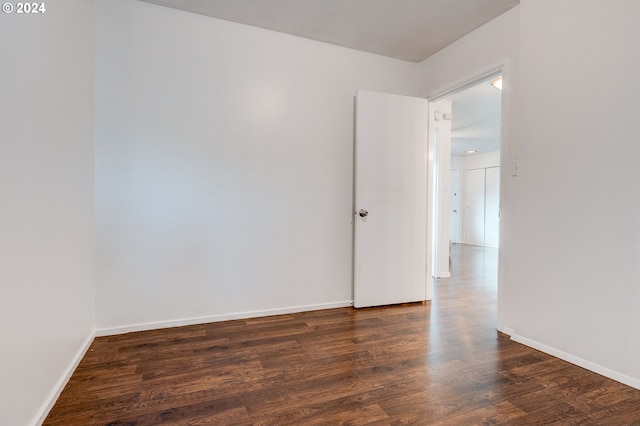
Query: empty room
(226, 212)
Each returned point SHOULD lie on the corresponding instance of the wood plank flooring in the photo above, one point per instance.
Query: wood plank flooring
(439, 363)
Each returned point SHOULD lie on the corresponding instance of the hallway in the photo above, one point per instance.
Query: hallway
(472, 285)
(476, 266)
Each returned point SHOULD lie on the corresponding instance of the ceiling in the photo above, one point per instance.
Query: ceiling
(411, 30)
(476, 119)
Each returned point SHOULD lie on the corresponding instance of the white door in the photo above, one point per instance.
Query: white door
(454, 207)
(474, 206)
(390, 218)
(492, 207)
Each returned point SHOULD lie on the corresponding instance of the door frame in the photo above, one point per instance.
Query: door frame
(439, 144)
(499, 68)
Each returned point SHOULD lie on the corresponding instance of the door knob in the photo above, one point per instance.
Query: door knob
(363, 213)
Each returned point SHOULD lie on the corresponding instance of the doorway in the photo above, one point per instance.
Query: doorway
(471, 188)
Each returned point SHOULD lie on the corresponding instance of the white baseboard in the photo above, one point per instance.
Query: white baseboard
(603, 371)
(481, 245)
(444, 275)
(109, 331)
(508, 331)
(59, 387)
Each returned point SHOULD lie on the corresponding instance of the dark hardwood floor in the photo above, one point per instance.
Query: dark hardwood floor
(436, 363)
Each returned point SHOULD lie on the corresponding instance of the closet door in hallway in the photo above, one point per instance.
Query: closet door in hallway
(482, 202)
(474, 206)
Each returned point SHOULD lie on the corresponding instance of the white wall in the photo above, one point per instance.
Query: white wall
(577, 234)
(224, 166)
(490, 47)
(46, 193)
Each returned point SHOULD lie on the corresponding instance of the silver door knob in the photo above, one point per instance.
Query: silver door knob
(363, 213)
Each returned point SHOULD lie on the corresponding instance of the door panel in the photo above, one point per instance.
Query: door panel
(474, 203)
(391, 185)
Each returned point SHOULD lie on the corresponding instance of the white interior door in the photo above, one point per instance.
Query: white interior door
(474, 206)
(390, 221)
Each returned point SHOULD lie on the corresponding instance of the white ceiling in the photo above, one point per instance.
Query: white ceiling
(411, 30)
(476, 119)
